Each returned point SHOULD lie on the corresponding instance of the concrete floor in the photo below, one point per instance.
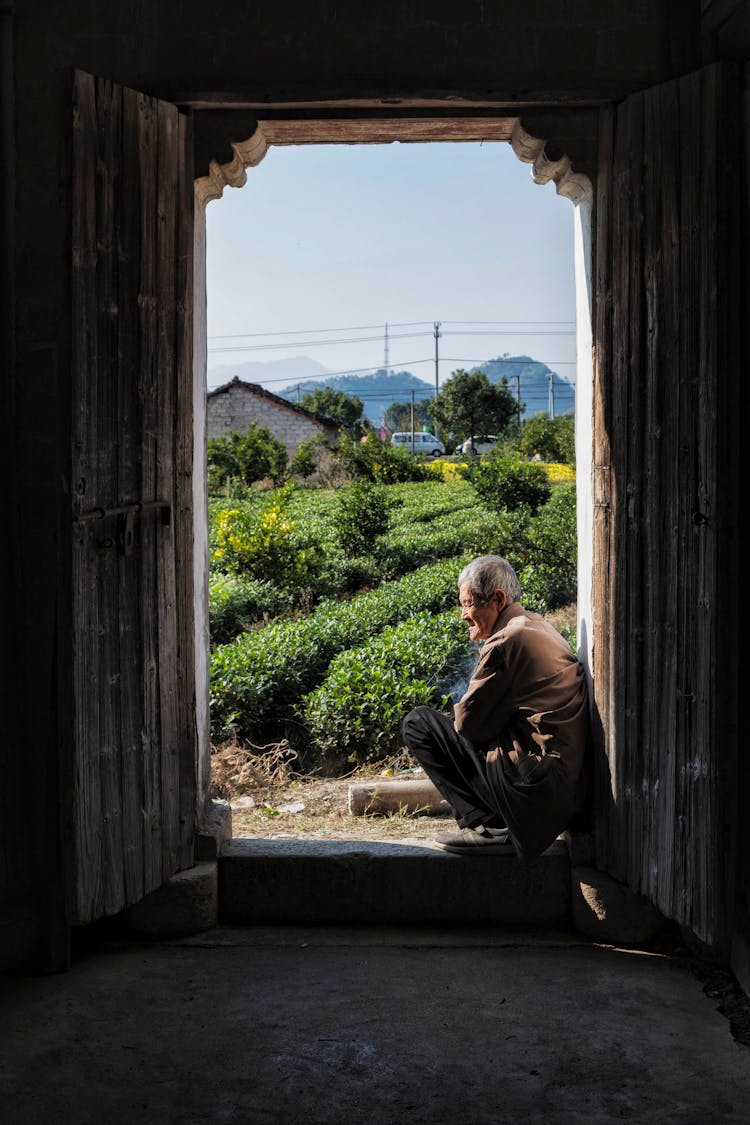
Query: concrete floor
(367, 1026)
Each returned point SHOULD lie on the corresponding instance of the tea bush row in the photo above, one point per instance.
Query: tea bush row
(542, 548)
(317, 545)
(475, 531)
(355, 715)
(261, 675)
(421, 503)
(236, 605)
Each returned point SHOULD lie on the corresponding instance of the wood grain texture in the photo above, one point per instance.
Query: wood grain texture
(183, 514)
(134, 770)
(666, 279)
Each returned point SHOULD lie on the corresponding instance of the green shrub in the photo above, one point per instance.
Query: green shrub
(506, 482)
(356, 713)
(543, 550)
(374, 460)
(246, 457)
(570, 633)
(257, 543)
(307, 456)
(550, 546)
(552, 438)
(337, 405)
(361, 515)
(236, 605)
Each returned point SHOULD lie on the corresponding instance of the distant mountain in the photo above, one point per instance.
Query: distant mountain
(532, 379)
(377, 390)
(380, 388)
(266, 371)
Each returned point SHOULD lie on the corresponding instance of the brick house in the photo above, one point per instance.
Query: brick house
(234, 406)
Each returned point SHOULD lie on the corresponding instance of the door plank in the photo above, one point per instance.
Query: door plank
(164, 271)
(136, 831)
(83, 811)
(669, 272)
(111, 887)
(133, 767)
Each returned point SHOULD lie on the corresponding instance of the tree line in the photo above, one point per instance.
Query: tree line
(467, 404)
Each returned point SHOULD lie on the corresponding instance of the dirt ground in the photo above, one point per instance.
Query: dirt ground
(268, 801)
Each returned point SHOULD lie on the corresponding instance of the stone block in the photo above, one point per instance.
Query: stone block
(19, 935)
(186, 904)
(214, 830)
(608, 911)
(580, 847)
(332, 882)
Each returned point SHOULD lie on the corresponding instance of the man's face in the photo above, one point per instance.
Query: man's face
(480, 616)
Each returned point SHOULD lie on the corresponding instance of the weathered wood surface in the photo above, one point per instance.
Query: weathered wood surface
(382, 797)
(665, 549)
(131, 782)
(184, 510)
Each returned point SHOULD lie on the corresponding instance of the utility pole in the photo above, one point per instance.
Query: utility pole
(436, 327)
(551, 395)
(437, 334)
(298, 393)
(518, 400)
(386, 357)
(412, 421)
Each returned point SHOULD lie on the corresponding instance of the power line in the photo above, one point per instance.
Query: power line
(507, 362)
(367, 327)
(311, 331)
(535, 394)
(318, 343)
(511, 332)
(293, 332)
(371, 339)
(506, 322)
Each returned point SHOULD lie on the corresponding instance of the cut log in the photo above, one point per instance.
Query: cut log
(380, 797)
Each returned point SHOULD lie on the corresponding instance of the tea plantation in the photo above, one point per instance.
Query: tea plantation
(332, 609)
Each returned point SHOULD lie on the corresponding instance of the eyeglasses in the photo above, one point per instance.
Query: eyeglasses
(476, 600)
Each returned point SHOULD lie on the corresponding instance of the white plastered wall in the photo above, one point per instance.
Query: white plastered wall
(584, 429)
(200, 512)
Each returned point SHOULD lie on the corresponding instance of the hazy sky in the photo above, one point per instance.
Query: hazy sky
(350, 237)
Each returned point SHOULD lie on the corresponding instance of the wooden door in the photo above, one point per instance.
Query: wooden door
(666, 492)
(130, 800)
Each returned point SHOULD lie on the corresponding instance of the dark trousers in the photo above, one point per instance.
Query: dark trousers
(456, 769)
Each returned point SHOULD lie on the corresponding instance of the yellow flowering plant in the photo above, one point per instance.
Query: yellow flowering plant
(559, 473)
(447, 471)
(257, 543)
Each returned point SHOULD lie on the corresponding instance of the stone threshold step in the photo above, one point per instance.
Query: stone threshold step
(312, 882)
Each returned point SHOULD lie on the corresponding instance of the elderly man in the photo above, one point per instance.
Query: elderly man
(509, 759)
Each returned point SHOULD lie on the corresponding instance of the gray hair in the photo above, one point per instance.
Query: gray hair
(489, 573)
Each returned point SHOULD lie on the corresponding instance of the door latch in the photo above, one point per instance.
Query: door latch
(125, 522)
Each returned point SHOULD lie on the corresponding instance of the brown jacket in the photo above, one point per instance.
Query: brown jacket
(526, 707)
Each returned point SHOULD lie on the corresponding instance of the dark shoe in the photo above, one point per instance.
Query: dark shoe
(476, 841)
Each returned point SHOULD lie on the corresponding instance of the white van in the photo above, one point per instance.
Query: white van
(426, 444)
(480, 443)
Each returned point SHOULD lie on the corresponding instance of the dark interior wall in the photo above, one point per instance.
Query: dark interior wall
(726, 29)
(515, 51)
(549, 55)
(13, 869)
